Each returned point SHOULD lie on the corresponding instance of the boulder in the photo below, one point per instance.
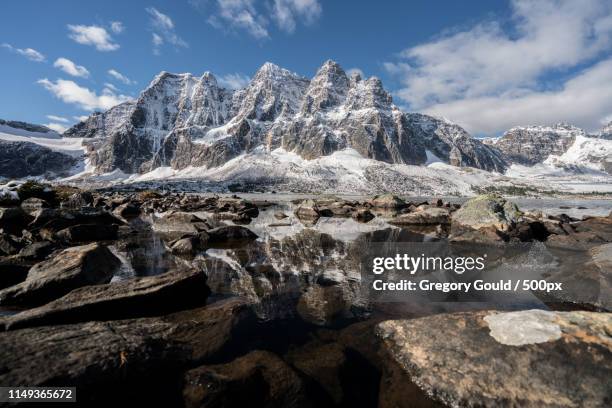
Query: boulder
(37, 251)
(137, 297)
(32, 205)
(279, 215)
(387, 201)
(308, 210)
(323, 363)
(529, 359)
(426, 216)
(258, 379)
(13, 220)
(485, 211)
(127, 211)
(127, 356)
(190, 244)
(78, 200)
(70, 269)
(230, 236)
(9, 245)
(87, 233)
(180, 223)
(363, 215)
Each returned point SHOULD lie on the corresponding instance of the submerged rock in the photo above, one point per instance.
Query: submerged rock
(528, 359)
(70, 269)
(259, 379)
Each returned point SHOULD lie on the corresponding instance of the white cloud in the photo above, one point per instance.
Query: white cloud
(163, 30)
(57, 118)
(82, 118)
(117, 27)
(234, 81)
(92, 35)
(120, 77)
(286, 12)
(239, 14)
(585, 100)
(352, 71)
(502, 61)
(111, 87)
(245, 15)
(29, 53)
(58, 127)
(70, 92)
(71, 68)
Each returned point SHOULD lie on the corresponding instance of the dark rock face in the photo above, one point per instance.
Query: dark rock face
(473, 354)
(137, 297)
(182, 121)
(26, 126)
(452, 144)
(531, 145)
(21, 159)
(72, 268)
(259, 379)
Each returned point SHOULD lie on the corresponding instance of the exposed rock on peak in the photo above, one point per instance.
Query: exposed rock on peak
(181, 120)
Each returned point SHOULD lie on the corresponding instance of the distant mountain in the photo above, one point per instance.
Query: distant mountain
(15, 127)
(181, 120)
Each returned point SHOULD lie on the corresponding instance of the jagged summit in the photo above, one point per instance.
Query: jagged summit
(181, 120)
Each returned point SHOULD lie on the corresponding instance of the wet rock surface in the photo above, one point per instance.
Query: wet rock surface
(508, 359)
(297, 330)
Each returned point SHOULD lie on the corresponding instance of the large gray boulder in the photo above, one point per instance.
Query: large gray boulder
(529, 359)
(488, 210)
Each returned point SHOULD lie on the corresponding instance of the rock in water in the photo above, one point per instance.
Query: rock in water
(488, 210)
(259, 379)
(70, 269)
(426, 216)
(528, 359)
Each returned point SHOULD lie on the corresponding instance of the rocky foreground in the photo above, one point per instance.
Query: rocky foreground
(230, 319)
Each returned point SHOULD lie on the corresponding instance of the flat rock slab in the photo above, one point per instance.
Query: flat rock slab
(70, 269)
(530, 358)
(125, 356)
(137, 297)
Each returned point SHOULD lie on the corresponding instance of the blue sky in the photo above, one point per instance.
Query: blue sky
(488, 65)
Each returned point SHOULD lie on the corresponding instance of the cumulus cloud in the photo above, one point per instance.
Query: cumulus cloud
(234, 81)
(163, 30)
(71, 68)
(584, 100)
(248, 16)
(57, 118)
(72, 93)
(29, 53)
(507, 63)
(58, 127)
(286, 12)
(120, 77)
(117, 27)
(239, 14)
(92, 35)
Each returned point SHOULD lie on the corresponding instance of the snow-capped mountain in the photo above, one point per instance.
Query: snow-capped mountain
(184, 121)
(529, 145)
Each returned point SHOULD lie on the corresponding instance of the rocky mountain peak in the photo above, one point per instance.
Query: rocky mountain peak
(328, 88)
(369, 94)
